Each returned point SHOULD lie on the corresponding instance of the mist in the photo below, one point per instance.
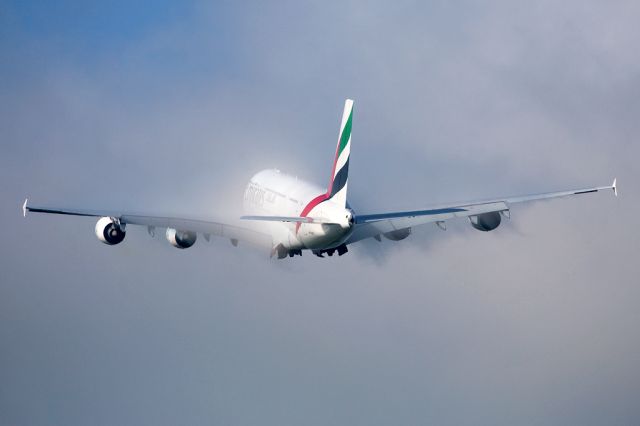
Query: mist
(166, 108)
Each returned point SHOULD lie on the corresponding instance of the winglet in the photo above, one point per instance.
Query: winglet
(25, 208)
(614, 186)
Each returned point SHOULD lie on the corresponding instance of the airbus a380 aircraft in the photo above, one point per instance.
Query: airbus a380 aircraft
(288, 215)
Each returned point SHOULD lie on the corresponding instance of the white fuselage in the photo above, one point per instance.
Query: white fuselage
(271, 192)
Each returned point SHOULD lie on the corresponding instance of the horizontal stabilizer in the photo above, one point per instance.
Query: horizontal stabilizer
(294, 219)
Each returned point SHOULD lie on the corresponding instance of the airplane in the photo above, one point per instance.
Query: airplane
(287, 215)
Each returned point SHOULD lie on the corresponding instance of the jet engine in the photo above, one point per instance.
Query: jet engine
(485, 221)
(181, 239)
(398, 234)
(109, 231)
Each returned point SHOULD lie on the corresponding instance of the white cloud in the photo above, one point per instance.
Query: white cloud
(533, 323)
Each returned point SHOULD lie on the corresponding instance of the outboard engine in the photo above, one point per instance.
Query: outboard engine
(109, 231)
(181, 239)
(486, 221)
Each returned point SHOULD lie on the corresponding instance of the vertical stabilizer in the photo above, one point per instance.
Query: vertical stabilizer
(337, 190)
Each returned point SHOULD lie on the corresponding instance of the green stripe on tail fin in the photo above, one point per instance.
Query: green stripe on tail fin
(337, 190)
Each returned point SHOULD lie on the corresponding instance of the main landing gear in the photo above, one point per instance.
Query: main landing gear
(281, 252)
(342, 249)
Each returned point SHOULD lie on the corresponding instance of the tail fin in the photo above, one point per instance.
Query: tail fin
(337, 190)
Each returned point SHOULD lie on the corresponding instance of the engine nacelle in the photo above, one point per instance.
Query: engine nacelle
(181, 239)
(109, 232)
(398, 234)
(486, 221)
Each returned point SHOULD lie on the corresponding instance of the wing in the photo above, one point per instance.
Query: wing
(203, 226)
(372, 225)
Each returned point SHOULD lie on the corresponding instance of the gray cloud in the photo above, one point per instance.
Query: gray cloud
(532, 324)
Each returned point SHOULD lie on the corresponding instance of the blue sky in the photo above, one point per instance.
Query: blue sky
(93, 27)
(171, 107)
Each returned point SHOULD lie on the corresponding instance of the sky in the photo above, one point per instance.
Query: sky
(172, 106)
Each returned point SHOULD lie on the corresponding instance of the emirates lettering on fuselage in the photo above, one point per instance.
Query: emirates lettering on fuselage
(258, 196)
(254, 195)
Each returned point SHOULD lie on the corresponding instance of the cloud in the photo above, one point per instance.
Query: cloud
(533, 323)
